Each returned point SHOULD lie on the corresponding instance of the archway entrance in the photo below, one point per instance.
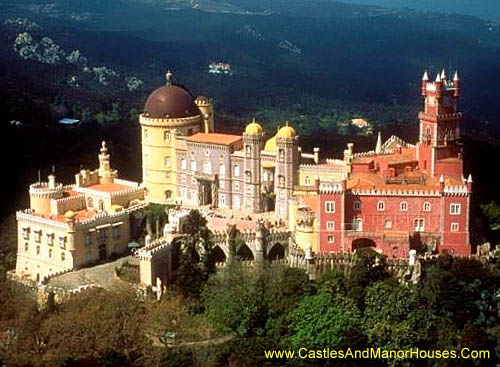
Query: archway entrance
(244, 253)
(277, 252)
(363, 243)
(204, 192)
(217, 256)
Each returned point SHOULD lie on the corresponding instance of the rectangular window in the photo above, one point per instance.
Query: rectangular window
(102, 234)
(183, 163)
(167, 161)
(38, 236)
(388, 224)
(455, 209)
(237, 186)
(329, 206)
(88, 239)
(50, 239)
(330, 239)
(222, 199)
(193, 165)
(419, 225)
(222, 170)
(62, 242)
(26, 233)
(454, 227)
(236, 202)
(237, 171)
(221, 184)
(116, 231)
(330, 225)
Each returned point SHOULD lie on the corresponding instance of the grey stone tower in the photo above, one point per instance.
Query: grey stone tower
(287, 162)
(252, 143)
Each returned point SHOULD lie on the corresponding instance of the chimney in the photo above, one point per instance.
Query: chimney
(316, 155)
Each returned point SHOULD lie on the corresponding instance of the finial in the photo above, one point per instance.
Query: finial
(425, 77)
(378, 147)
(456, 78)
(469, 179)
(168, 76)
(104, 148)
(441, 179)
(438, 78)
(253, 120)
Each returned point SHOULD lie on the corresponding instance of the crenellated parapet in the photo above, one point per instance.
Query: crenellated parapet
(331, 188)
(396, 192)
(458, 190)
(169, 122)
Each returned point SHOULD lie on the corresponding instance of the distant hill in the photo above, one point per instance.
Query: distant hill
(487, 9)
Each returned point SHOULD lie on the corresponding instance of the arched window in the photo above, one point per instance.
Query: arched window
(403, 206)
(357, 205)
(426, 207)
(90, 203)
(248, 176)
(419, 225)
(358, 224)
(101, 205)
(168, 194)
(281, 155)
(222, 170)
(248, 150)
(166, 135)
(380, 206)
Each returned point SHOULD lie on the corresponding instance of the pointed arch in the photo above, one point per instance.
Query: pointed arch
(244, 253)
(276, 252)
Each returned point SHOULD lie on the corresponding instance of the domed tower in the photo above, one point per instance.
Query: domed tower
(252, 142)
(287, 162)
(169, 111)
(206, 108)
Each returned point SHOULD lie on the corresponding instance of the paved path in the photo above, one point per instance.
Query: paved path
(103, 275)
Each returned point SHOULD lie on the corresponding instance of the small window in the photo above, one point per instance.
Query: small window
(403, 206)
(50, 252)
(116, 231)
(193, 165)
(329, 206)
(62, 242)
(38, 236)
(166, 135)
(63, 256)
(426, 207)
(236, 186)
(222, 170)
(455, 209)
(26, 247)
(167, 161)
(88, 239)
(380, 206)
(222, 184)
(388, 224)
(183, 163)
(419, 225)
(222, 199)
(167, 175)
(330, 239)
(38, 250)
(50, 239)
(207, 168)
(308, 180)
(358, 224)
(236, 171)
(248, 150)
(145, 133)
(330, 225)
(26, 233)
(357, 205)
(102, 234)
(454, 227)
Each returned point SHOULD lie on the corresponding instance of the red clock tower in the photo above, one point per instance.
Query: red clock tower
(438, 149)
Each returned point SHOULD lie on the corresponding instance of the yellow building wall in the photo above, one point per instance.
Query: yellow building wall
(308, 176)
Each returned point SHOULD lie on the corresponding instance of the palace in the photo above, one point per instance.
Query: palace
(397, 197)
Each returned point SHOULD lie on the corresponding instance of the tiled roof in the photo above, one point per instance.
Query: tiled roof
(108, 187)
(214, 138)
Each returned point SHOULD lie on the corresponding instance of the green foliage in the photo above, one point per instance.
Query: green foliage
(322, 320)
(195, 263)
(492, 213)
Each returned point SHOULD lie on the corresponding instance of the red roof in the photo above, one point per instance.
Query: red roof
(214, 138)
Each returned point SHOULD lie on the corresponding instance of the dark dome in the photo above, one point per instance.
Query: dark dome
(170, 101)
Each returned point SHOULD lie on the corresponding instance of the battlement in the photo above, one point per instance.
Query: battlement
(330, 188)
(169, 122)
(45, 189)
(397, 192)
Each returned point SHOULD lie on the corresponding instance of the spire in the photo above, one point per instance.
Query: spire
(425, 77)
(443, 75)
(469, 179)
(441, 179)
(438, 78)
(168, 76)
(378, 147)
(456, 78)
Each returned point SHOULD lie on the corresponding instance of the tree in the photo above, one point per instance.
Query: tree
(322, 320)
(156, 216)
(195, 264)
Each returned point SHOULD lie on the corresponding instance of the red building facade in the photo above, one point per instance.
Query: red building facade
(402, 196)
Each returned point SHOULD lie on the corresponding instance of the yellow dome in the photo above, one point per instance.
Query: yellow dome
(286, 132)
(253, 128)
(270, 145)
(70, 214)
